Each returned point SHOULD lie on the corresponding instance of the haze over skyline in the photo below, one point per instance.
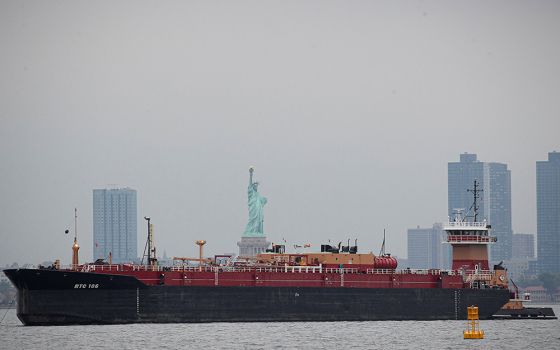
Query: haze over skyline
(349, 111)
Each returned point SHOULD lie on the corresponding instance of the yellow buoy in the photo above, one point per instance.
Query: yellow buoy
(473, 330)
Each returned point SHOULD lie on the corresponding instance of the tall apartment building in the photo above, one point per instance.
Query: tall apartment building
(548, 214)
(495, 203)
(114, 224)
(426, 249)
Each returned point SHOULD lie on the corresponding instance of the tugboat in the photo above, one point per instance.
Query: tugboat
(515, 310)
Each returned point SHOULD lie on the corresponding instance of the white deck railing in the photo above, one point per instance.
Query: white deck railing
(467, 239)
(272, 269)
(466, 224)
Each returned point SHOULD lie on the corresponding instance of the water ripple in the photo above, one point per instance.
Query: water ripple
(519, 334)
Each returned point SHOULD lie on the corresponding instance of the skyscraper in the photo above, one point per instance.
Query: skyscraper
(548, 214)
(114, 224)
(426, 249)
(495, 203)
(523, 246)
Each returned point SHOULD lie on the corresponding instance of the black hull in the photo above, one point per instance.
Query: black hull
(44, 305)
(532, 313)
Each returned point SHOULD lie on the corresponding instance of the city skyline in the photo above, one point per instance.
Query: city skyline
(349, 112)
(440, 257)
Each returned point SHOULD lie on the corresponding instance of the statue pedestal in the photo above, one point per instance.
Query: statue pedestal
(252, 245)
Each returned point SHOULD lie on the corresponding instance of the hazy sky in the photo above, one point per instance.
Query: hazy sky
(349, 110)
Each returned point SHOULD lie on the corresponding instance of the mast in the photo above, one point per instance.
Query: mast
(153, 251)
(75, 246)
(150, 245)
(382, 251)
(75, 224)
(475, 191)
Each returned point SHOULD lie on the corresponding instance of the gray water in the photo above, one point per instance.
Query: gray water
(500, 334)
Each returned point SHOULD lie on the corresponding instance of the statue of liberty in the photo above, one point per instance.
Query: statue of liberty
(256, 203)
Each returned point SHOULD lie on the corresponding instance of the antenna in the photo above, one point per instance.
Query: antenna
(75, 224)
(458, 214)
